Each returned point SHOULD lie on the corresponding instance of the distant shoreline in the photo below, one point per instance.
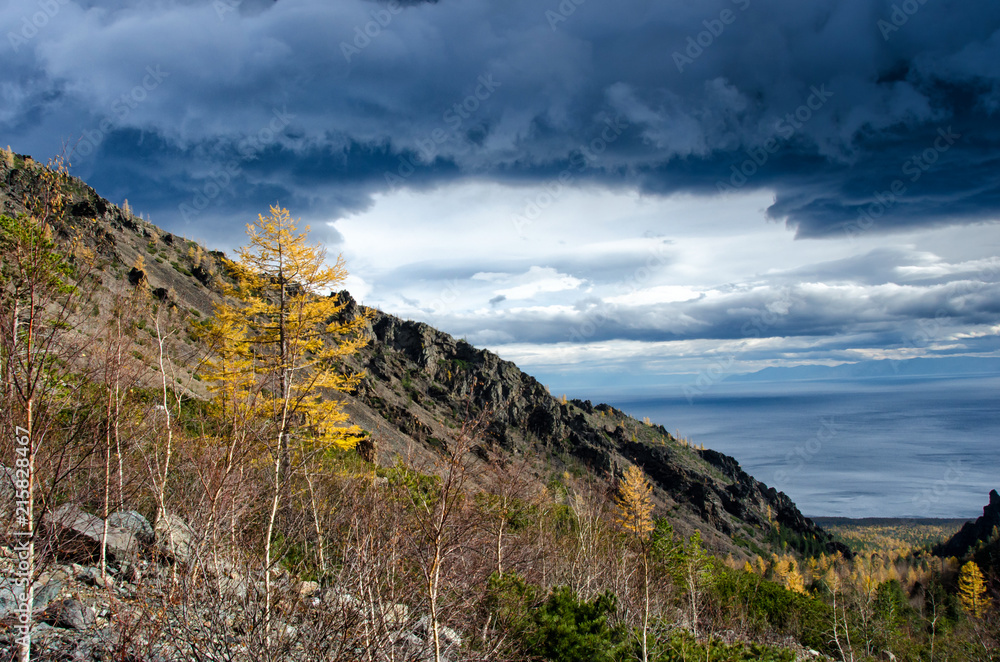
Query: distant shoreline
(824, 520)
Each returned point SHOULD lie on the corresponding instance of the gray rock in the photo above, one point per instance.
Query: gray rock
(6, 494)
(448, 637)
(133, 522)
(92, 577)
(409, 642)
(72, 614)
(130, 573)
(9, 597)
(80, 533)
(175, 539)
(340, 599)
(233, 584)
(48, 589)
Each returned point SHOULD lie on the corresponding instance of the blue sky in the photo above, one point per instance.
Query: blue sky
(594, 190)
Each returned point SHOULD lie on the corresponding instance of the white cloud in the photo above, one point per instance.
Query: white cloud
(654, 295)
(662, 283)
(536, 281)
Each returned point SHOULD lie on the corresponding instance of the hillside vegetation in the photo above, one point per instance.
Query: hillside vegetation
(194, 495)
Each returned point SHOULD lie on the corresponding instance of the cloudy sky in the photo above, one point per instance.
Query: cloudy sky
(597, 190)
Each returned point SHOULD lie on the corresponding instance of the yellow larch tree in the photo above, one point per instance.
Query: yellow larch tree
(283, 325)
(635, 504)
(294, 331)
(635, 514)
(972, 590)
(233, 383)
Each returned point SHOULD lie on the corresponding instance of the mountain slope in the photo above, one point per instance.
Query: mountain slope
(423, 384)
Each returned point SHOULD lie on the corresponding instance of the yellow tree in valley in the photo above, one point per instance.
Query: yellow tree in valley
(286, 330)
(635, 514)
(972, 590)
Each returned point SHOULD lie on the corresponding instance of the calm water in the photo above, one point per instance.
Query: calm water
(878, 448)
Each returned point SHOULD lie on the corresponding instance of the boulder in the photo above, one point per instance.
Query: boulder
(342, 600)
(137, 277)
(175, 539)
(133, 522)
(6, 495)
(9, 597)
(79, 533)
(396, 615)
(47, 588)
(448, 637)
(71, 614)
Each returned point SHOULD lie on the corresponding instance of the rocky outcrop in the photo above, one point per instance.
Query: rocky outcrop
(418, 377)
(973, 533)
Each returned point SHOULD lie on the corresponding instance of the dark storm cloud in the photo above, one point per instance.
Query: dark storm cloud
(861, 116)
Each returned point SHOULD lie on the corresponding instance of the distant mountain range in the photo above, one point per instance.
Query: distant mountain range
(957, 366)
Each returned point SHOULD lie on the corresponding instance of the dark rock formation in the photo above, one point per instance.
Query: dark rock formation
(970, 535)
(137, 277)
(418, 376)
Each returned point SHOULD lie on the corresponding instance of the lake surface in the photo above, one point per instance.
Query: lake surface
(859, 448)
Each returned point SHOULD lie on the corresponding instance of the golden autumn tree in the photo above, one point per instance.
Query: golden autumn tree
(635, 514)
(236, 391)
(294, 331)
(280, 342)
(635, 504)
(972, 590)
